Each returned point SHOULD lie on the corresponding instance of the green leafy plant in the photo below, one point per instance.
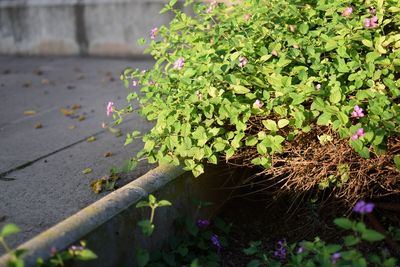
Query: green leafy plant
(58, 259)
(195, 242)
(147, 226)
(319, 253)
(256, 82)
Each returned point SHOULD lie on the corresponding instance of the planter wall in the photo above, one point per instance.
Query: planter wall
(109, 225)
(78, 27)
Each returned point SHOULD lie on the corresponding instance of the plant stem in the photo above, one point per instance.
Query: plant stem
(153, 209)
(6, 247)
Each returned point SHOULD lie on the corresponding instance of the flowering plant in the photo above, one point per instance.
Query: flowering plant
(259, 83)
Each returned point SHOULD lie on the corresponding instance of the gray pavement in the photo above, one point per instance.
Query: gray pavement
(41, 180)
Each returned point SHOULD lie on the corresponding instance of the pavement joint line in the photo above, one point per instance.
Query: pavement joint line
(29, 163)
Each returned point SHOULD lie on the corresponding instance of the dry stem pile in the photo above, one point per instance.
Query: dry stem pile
(306, 163)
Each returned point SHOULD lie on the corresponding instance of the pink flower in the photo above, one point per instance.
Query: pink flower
(357, 113)
(135, 83)
(153, 33)
(318, 86)
(371, 23)
(347, 12)
(143, 72)
(110, 108)
(211, 7)
(274, 53)
(151, 83)
(247, 17)
(179, 63)
(258, 104)
(242, 62)
(358, 134)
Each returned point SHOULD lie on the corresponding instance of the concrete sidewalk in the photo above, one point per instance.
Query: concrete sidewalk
(41, 180)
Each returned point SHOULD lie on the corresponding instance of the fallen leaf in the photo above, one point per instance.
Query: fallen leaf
(67, 112)
(107, 154)
(76, 106)
(45, 82)
(71, 127)
(91, 139)
(97, 185)
(80, 77)
(87, 170)
(38, 72)
(38, 126)
(115, 131)
(27, 84)
(29, 112)
(81, 118)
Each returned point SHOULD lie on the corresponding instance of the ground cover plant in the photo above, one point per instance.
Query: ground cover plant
(306, 90)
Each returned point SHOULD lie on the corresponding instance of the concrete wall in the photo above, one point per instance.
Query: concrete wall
(78, 27)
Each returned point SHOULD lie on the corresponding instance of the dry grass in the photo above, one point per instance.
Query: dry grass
(306, 163)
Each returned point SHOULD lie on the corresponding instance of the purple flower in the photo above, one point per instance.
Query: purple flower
(371, 23)
(216, 243)
(135, 83)
(151, 82)
(357, 113)
(203, 223)
(153, 33)
(242, 62)
(300, 250)
(280, 251)
(335, 257)
(53, 251)
(179, 63)
(363, 207)
(358, 134)
(347, 12)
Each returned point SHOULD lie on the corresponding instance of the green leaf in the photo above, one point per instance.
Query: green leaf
(324, 119)
(142, 204)
(146, 226)
(303, 29)
(239, 89)
(344, 223)
(367, 43)
(335, 96)
(282, 123)
(9, 229)
(270, 125)
(251, 141)
(330, 45)
(198, 170)
(142, 257)
(86, 255)
(351, 240)
(163, 203)
(372, 235)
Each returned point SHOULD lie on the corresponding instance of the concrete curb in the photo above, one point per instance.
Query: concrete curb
(88, 219)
